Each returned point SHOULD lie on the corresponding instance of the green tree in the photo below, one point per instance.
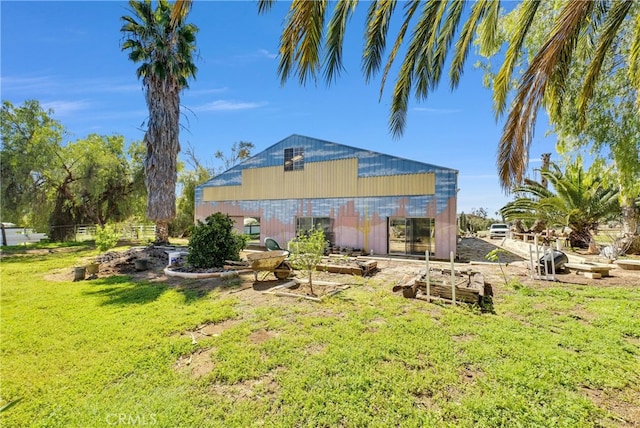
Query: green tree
(105, 179)
(51, 186)
(579, 200)
(93, 182)
(165, 49)
(240, 150)
(30, 140)
(307, 251)
(199, 174)
(609, 125)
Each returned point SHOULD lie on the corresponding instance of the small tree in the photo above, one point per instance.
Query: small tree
(307, 251)
(214, 241)
(494, 256)
(106, 237)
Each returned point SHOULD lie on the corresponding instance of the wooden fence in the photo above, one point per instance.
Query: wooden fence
(20, 235)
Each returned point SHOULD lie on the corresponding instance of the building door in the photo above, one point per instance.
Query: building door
(411, 235)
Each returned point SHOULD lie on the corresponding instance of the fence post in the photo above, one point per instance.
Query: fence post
(453, 280)
(428, 275)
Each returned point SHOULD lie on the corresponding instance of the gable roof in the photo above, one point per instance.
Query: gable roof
(370, 163)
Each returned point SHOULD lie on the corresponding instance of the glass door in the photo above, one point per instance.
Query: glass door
(411, 235)
(397, 236)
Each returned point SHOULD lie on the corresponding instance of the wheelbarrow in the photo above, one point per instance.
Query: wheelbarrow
(270, 262)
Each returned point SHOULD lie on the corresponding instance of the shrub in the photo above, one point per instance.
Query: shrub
(106, 237)
(307, 251)
(214, 241)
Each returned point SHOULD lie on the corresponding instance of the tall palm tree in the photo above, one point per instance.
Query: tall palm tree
(578, 199)
(427, 32)
(165, 48)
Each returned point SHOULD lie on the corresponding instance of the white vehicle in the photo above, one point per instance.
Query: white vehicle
(498, 230)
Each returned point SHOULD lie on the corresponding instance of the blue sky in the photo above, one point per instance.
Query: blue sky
(67, 56)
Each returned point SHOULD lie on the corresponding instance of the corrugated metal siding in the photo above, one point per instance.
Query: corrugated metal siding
(330, 179)
(357, 188)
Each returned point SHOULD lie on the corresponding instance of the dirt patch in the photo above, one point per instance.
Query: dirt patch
(208, 330)
(303, 289)
(265, 386)
(260, 336)
(198, 364)
(391, 270)
(625, 409)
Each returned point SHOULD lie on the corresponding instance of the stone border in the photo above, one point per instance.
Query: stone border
(224, 275)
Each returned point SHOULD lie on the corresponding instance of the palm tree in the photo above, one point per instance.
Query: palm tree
(427, 31)
(578, 200)
(164, 47)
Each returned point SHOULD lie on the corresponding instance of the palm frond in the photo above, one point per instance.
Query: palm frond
(378, 19)
(464, 41)
(265, 6)
(410, 9)
(552, 60)
(180, 11)
(502, 81)
(489, 35)
(445, 38)
(301, 40)
(425, 35)
(420, 37)
(335, 37)
(615, 18)
(577, 198)
(400, 99)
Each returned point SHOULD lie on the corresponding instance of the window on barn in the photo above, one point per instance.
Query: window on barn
(305, 224)
(294, 159)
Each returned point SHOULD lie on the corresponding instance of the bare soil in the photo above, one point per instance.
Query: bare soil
(395, 271)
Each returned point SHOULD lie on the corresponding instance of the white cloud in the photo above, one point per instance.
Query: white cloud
(66, 108)
(227, 105)
(265, 53)
(54, 85)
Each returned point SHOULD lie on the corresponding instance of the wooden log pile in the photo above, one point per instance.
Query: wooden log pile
(472, 289)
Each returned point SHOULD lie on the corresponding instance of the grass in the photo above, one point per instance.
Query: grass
(104, 353)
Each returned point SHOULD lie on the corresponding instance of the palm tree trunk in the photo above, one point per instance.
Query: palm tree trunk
(161, 139)
(162, 232)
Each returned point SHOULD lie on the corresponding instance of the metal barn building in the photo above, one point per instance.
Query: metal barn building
(362, 199)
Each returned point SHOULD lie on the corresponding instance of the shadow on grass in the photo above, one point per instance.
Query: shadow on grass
(195, 289)
(120, 291)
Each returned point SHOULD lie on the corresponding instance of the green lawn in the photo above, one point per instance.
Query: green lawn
(104, 353)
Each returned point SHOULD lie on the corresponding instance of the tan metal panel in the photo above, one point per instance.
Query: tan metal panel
(397, 185)
(330, 179)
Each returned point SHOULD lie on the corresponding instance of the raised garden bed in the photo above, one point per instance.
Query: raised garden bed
(347, 265)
